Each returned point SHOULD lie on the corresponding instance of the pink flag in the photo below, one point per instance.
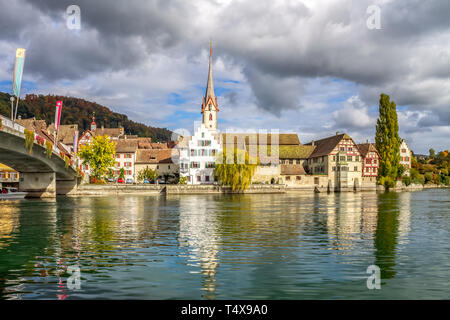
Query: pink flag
(58, 114)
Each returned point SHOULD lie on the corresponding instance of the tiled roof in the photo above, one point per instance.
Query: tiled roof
(126, 145)
(295, 152)
(364, 148)
(292, 169)
(111, 132)
(253, 138)
(325, 146)
(66, 132)
(33, 124)
(155, 155)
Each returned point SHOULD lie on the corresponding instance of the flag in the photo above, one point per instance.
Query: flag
(18, 70)
(58, 114)
(75, 142)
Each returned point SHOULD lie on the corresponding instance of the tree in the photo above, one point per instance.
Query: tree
(387, 140)
(122, 173)
(432, 153)
(99, 155)
(147, 173)
(238, 172)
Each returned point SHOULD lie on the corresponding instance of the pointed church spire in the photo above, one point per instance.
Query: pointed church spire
(210, 85)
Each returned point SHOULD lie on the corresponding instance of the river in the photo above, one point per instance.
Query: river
(279, 246)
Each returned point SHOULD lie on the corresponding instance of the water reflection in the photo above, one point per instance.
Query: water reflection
(198, 233)
(213, 247)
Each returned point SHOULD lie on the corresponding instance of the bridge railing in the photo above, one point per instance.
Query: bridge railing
(13, 125)
(17, 127)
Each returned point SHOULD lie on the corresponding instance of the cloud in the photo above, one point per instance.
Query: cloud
(354, 115)
(284, 54)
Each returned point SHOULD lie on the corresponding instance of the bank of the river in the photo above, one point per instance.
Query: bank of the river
(111, 189)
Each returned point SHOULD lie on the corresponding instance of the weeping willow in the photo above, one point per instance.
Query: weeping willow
(238, 171)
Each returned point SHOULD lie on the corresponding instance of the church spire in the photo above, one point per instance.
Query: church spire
(209, 94)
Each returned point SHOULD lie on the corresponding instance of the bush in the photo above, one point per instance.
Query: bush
(48, 148)
(387, 182)
(428, 177)
(419, 179)
(446, 181)
(406, 180)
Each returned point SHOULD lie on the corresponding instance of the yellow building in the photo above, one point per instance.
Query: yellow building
(8, 174)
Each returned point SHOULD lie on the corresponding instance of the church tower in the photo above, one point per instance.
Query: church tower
(209, 104)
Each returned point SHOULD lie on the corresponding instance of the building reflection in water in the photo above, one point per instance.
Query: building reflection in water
(198, 234)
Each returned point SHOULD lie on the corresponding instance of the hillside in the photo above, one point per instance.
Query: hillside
(79, 111)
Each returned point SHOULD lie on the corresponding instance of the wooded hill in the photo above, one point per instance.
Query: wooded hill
(79, 111)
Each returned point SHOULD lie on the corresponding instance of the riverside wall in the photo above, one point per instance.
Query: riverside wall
(142, 189)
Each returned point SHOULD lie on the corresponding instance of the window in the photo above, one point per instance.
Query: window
(189, 178)
(349, 158)
(199, 178)
(168, 166)
(356, 158)
(403, 150)
(157, 166)
(288, 178)
(342, 148)
(342, 158)
(207, 178)
(368, 161)
(291, 161)
(298, 161)
(334, 158)
(334, 168)
(117, 155)
(210, 117)
(298, 178)
(349, 149)
(203, 134)
(118, 164)
(355, 169)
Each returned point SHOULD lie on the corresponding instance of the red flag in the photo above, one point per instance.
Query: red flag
(58, 114)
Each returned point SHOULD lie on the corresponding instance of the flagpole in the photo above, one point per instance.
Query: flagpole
(17, 107)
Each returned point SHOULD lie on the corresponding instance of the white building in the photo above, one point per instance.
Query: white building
(198, 156)
(405, 156)
(126, 157)
(198, 152)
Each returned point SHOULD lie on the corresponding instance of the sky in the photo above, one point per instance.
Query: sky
(313, 67)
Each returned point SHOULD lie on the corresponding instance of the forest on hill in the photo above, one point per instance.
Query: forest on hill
(79, 111)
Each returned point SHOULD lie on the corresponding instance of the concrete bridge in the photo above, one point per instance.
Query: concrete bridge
(40, 176)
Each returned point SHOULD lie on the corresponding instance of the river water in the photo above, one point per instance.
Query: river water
(312, 246)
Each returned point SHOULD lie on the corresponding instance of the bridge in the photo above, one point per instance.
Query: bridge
(41, 175)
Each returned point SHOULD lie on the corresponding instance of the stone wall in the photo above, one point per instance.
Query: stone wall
(111, 189)
(216, 189)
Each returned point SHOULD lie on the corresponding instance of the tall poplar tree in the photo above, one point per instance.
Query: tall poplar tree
(387, 141)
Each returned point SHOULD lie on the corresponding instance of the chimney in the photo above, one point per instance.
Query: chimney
(312, 143)
(337, 133)
(367, 141)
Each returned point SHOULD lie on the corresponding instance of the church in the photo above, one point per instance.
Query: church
(197, 153)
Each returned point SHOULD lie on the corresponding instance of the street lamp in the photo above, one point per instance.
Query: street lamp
(12, 107)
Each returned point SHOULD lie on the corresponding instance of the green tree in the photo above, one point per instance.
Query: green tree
(237, 172)
(147, 173)
(122, 173)
(99, 155)
(432, 153)
(387, 140)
